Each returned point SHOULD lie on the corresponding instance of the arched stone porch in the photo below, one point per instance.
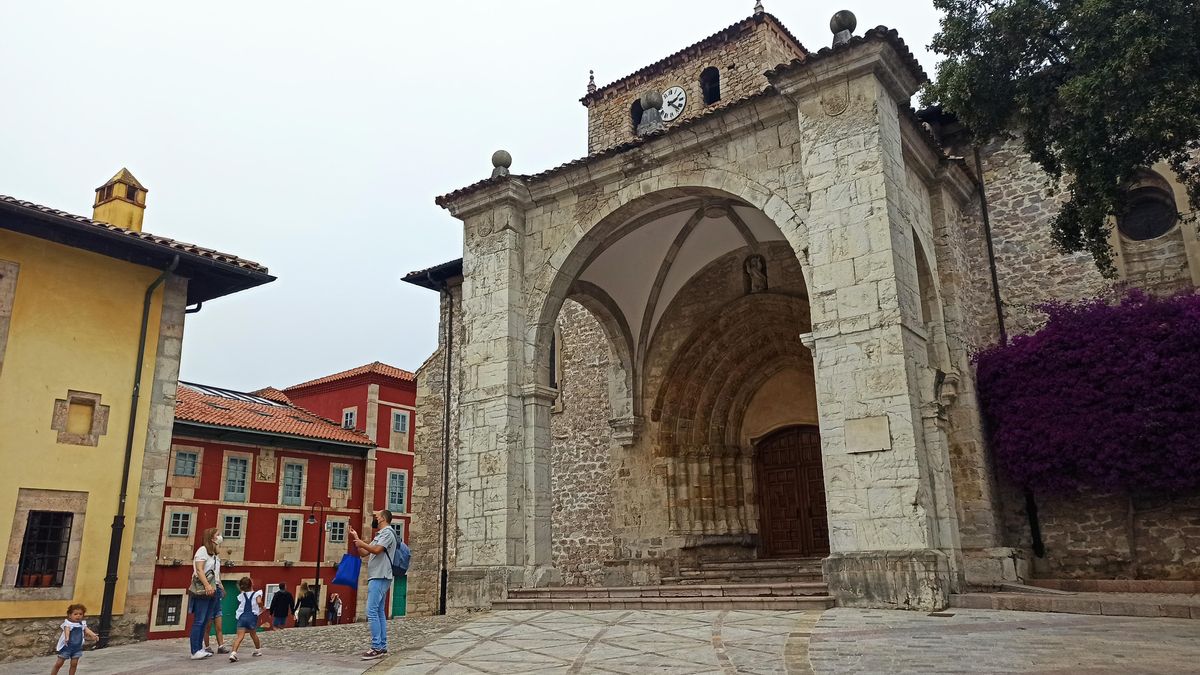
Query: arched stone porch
(824, 165)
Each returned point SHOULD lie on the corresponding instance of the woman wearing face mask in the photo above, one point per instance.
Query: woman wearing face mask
(206, 569)
(218, 597)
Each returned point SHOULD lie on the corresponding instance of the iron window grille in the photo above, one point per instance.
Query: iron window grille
(45, 549)
(169, 610)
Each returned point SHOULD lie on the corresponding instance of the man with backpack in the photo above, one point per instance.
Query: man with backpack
(388, 558)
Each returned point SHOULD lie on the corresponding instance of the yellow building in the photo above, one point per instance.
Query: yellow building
(80, 301)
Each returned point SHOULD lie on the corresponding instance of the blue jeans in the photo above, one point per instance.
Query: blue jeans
(377, 590)
(203, 610)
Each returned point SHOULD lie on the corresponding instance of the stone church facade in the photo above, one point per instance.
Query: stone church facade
(741, 328)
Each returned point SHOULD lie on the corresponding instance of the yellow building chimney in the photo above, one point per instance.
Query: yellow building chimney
(121, 202)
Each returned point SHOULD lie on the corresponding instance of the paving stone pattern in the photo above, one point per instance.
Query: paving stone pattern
(615, 641)
(867, 641)
(332, 650)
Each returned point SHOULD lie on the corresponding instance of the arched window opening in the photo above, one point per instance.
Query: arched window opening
(635, 114)
(1150, 210)
(710, 85)
(925, 287)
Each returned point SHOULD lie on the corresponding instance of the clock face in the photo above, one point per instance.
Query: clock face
(674, 100)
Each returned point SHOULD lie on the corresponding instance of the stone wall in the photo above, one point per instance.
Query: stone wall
(581, 477)
(424, 532)
(741, 62)
(1090, 535)
(26, 638)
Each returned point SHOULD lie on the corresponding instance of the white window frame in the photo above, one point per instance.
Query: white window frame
(229, 518)
(283, 521)
(391, 474)
(187, 519)
(335, 525)
(333, 472)
(350, 418)
(225, 494)
(398, 415)
(283, 484)
(195, 463)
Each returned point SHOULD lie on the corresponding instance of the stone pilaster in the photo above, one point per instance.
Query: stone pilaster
(147, 524)
(891, 526)
(496, 470)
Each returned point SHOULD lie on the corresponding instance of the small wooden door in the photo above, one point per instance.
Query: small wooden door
(792, 494)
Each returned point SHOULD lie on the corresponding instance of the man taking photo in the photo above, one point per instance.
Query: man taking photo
(380, 550)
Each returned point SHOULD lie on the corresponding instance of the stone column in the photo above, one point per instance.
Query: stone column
(492, 551)
(539, 503)
(887, 536)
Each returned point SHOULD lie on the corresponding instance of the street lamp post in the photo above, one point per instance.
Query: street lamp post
(312, 520)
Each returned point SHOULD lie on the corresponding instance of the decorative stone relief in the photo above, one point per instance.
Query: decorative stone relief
(65, 422)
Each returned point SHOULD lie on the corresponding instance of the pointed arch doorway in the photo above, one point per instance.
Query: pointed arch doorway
(791, 482)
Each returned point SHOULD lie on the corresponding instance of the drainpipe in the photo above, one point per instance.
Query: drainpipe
(118, 524)
(991, 251)
(444, 561)
(1031, 511)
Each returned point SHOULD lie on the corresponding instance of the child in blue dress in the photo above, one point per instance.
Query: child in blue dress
(70, 643)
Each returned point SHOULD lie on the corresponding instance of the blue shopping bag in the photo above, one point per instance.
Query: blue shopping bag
(347, 571)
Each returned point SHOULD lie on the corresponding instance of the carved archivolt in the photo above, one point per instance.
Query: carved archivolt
(702, 400)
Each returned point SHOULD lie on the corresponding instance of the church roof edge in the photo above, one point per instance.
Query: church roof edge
(723, 34)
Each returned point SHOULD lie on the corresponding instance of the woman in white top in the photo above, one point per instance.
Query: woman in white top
(206, 568)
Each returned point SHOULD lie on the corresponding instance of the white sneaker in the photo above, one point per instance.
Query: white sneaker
(232, 657)
(200, 655)
(258, 652)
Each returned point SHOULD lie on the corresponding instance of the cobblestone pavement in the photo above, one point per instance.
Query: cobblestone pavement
(987, 641)
(327, 650)
(616, 641)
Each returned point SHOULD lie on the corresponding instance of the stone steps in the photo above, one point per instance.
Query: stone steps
(1118, 585)
(768, 571)
(801, 589)
(1176, 605)
(798, 602)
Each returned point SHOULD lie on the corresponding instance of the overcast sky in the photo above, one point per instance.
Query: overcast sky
(313, 136)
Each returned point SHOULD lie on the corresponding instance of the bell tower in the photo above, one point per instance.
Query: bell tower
(121, 202)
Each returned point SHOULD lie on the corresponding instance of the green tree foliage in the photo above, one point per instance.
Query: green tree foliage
(1097, 88)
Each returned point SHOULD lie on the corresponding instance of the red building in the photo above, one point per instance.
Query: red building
(260, 466)
(380, 401)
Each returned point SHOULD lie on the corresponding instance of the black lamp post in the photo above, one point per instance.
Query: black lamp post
(312, 520)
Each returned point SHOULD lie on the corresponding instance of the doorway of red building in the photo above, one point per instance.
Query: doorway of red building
(229, 608)
(399, 596)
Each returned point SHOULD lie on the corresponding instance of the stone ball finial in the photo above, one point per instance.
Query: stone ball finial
(652, 100)
(843, 20)
(501, 160)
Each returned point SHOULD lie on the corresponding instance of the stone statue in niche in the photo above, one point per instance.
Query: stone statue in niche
(755, 271)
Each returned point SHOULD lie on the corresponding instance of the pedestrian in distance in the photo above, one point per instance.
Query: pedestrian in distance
(306, 606)
(202, 590)
(380, 552)
(70, 642)
(333, 609)
(250, 606)
(281, 607)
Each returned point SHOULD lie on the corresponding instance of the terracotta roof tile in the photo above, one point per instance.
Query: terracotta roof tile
(376, 368)
(719, 36)
(272, 394)
(144, 236)
(226, 408)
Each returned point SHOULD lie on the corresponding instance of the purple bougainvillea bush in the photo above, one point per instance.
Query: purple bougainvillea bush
(1106, 396)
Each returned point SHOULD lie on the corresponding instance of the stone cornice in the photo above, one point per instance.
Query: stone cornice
(501, 190)
(878, 57)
